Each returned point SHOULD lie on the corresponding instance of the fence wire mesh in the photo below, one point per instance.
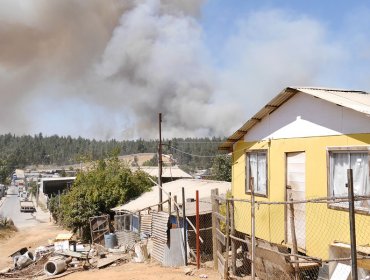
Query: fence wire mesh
(298, 240)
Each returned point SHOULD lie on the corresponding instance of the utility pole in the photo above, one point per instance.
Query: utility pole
(160, 163)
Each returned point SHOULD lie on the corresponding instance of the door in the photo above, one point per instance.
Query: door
(296, 190)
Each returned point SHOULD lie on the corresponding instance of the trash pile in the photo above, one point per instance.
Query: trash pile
(64, 256)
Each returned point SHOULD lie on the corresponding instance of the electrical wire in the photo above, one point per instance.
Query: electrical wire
(193, 155)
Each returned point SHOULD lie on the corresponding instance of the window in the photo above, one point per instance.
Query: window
(257, 168)
(340, 162)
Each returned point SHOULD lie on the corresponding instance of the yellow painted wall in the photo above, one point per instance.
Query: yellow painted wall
(323, 225)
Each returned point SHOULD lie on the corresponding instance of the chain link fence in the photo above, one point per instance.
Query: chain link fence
(307, 239)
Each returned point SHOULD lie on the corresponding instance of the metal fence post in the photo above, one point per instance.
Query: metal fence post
(197, 227)
(184, 225)
(253, 230)
(352, 224)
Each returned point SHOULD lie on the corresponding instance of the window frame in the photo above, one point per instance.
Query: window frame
(344, 149)
(247, 177)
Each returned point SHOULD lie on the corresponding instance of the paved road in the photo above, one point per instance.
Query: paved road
(10, 208)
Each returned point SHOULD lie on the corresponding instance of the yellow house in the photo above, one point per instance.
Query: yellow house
(302, 143)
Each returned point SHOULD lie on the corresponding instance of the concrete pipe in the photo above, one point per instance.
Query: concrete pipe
(55, 267)
(24, 260)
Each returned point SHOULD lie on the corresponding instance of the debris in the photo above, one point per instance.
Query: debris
(189, 271)
(19, 252)
(41, 251)
(141, 253)
(24, 260)
(78, 255)
(203, 276)
(5, 270)
(109, 260)
(55, 267)
(64, 236)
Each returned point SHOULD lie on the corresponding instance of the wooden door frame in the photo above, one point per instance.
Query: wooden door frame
(286, 191)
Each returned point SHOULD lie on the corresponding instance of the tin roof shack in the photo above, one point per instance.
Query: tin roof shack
(140, 216)
(169, 173)
(301, 144)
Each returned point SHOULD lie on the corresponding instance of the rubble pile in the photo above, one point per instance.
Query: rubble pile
(64, 256)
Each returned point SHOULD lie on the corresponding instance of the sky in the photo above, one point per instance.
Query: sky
(105, 69)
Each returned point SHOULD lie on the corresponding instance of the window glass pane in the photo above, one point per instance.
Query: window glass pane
(252, 172)
(359, 165)
(339, 175)
(339, 164)
(261, 176)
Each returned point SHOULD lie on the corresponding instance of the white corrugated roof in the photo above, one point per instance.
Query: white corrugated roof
(167, 171)
(352, 99)
(58, 179)
(175, 187)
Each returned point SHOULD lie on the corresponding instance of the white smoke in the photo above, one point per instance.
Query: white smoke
(107, 68)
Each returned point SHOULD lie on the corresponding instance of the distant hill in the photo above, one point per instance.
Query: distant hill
(21, 151)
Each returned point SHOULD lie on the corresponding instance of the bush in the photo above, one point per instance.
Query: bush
(106, 185)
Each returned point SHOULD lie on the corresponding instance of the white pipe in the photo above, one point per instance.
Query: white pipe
(55, 267)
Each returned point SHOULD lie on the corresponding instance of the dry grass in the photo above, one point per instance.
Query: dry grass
(7, 228)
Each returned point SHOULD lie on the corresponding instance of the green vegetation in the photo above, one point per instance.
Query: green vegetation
(108, 184)
(221, 168)
(20, 151)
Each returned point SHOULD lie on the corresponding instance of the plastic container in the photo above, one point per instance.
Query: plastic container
(110, 240)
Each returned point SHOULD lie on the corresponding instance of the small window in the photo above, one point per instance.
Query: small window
(257, 168)
(340, 162)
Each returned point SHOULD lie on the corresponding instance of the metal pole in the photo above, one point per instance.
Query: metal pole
(184, 227)
(160, 207)
(253, 230)
(169, 204)
(197, 227)
(294, 238)
(352, 224)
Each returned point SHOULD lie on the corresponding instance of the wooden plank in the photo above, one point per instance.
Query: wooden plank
(221, 267)
(215, 209)
(226, 271)
(220, 236)
(220, 217)
(221, 258)
(109, 260)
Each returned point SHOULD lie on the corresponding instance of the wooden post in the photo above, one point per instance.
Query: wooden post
(215, 207)
(139, 227)
(197, 243)
(233, 245)
(253, 230)
(294, 238)
(177, 211)
(160, 206)
(352, 225)
(169, 204)
(226, 268)
(184, 225)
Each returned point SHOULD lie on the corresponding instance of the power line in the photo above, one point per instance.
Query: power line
(189, 154)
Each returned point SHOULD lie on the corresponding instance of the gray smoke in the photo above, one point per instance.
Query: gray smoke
(107, 68)
(137, 58)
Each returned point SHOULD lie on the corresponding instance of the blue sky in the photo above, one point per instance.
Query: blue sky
(105, 72)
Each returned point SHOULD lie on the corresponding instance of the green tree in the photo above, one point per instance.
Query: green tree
(221, 168)
(106, 185)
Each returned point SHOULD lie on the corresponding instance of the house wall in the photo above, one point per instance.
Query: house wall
(323, 225)
(306, 116)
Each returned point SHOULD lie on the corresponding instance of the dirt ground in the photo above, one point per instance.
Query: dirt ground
(37, 236)
(27, 237)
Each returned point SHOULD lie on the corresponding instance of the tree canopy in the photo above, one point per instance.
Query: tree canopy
(106, 185)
